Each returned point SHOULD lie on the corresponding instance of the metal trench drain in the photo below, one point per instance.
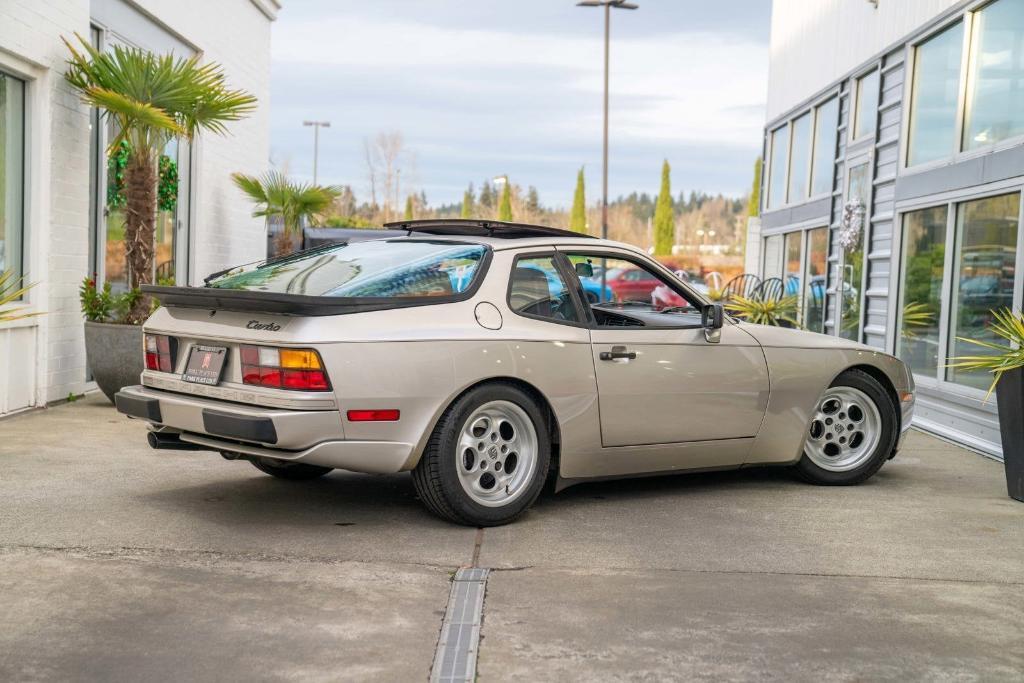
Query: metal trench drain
(455, 659)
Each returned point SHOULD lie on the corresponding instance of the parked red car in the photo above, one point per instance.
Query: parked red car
(631, 284)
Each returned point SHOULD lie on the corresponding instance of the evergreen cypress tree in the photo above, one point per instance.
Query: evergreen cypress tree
(578, 217)
(408, 208)
(467, 203)
(754, 203)
(486, 198)
(664, 217)
(505, 208)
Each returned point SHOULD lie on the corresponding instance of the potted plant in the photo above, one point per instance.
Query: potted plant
(1006, 363)
(152, 99)
(295, 203)
(770, 311)
(108, 334)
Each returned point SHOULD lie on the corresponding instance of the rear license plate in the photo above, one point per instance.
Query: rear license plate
(205, 364)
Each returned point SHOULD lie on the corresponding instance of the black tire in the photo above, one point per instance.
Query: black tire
(887, 409)
(293, 471)
(436, 477)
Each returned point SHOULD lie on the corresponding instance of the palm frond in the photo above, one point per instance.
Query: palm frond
(1007, 325)
(11, 290)
(765, 311)
(275, 195)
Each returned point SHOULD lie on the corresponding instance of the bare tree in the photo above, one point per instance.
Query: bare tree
(383, 161)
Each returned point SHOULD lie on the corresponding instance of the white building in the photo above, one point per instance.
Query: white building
(914, 111)
(56, 224)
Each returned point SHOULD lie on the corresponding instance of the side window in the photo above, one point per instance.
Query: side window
(611, 284)
(536, 288)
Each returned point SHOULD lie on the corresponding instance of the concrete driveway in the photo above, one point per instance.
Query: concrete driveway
(120, 563)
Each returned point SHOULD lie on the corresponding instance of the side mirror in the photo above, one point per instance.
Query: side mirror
(713, 317)
(584, 270)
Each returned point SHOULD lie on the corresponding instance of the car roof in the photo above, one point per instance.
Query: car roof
(498, 235)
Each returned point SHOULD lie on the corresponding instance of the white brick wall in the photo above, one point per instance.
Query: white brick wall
(234, 33)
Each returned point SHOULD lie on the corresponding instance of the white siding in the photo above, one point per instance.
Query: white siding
(44, 359)
(815, 42)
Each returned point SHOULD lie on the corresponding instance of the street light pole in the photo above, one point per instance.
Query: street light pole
(317, 125)
(607, 5)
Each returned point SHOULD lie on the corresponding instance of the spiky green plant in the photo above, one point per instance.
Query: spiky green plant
(765, 311)
(915, 315)
(152, 99)
(1007, 325)
(275, 195)
(12, 289)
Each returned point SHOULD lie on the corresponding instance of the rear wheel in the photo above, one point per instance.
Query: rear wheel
(852, 432)
(487, 459)
(282, 469)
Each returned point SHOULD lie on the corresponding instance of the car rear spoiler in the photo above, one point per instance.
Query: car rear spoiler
(211, 298)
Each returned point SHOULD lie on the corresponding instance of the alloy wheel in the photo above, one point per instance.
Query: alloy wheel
(844, 431)
(497, 453)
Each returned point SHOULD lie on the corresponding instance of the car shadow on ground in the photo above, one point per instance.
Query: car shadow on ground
(350, 499)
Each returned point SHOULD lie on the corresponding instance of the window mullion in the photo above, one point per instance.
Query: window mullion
(946, 309)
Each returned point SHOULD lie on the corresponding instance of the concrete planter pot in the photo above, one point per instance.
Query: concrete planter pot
(1010, 394)
(114, 355)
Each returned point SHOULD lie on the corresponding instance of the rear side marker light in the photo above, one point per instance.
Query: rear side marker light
(389, 415)
(160, 351)
(296, 369)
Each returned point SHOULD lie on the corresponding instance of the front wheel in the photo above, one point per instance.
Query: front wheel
(487, 459)
(852, 432)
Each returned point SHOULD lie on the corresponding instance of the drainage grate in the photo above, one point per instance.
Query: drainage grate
(455, 659)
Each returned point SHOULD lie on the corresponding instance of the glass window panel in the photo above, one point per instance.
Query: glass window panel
(12, 161)
(791, 276)
(936, 91)
(537, 288)
(799, 158)
(867, 105)
(826, 120)
(853, 257)
(777, 172)
(995, 80)
(773, 256)
(814, 279)
(924, 253)
(984, 268)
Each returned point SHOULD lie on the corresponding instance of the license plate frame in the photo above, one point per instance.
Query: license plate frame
(205, 365)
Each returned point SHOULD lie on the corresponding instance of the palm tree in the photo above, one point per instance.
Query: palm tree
(294, 203)
(152, 99)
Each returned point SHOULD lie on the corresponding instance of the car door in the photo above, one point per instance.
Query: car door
(660, 380)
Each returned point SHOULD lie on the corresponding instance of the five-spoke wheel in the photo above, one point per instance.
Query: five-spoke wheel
(488, 457)
(852, 431)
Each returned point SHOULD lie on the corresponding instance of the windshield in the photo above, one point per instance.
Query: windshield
(375, 268)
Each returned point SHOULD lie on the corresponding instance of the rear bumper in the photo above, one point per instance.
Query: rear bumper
(315, 437)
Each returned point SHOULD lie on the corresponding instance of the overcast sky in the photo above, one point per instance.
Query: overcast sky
(489, 87)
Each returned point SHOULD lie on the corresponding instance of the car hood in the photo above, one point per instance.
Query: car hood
(782, 337)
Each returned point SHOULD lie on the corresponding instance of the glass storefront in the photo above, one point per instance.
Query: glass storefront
(995, 77)
(814, 280)
(826, 118)
(12, 164)
(936, 92)
(800, 157)
(924, 253)
(867, 105)
(777, 167)
(984, 270)
(852, 276)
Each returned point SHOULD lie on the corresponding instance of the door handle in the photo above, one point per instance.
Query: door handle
(617, 353)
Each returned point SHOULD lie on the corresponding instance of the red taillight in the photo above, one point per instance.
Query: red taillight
(388, 415)
(160, 350)
(296, 369)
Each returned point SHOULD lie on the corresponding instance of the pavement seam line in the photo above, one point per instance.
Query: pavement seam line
(459, 643)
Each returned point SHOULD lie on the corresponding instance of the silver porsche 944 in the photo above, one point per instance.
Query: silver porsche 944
(489, 358)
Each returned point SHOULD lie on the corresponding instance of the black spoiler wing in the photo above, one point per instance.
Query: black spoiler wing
(213, 299)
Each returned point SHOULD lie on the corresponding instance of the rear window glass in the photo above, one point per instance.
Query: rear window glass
(375, 268)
